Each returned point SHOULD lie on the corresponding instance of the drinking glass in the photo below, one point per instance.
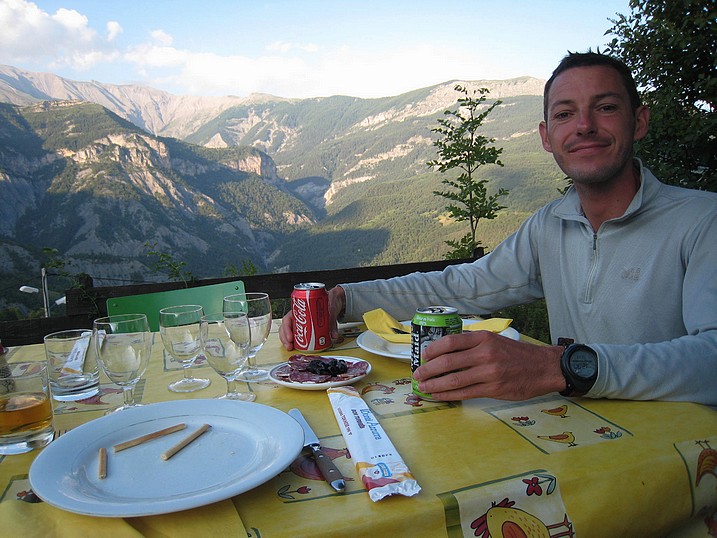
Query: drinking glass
(226, 339)
(25, 407)
(71, 363)
(257, 307)
(179, 327)
(124, 344)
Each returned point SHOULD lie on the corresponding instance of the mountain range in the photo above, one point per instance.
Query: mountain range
(105, 174)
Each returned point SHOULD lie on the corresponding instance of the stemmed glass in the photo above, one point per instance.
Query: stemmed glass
(179, 327)
(124, 344)
(257, 307)
(226, 339)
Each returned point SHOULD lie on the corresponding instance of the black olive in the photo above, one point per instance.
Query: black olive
(333, 367)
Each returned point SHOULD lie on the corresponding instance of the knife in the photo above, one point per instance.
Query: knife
(329, 471)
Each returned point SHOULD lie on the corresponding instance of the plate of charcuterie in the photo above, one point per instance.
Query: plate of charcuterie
(319, 372)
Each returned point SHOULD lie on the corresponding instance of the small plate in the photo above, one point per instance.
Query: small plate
(370, 341)
(319, 386)
(247, 445)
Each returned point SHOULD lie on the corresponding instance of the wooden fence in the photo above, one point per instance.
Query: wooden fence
(89, 302)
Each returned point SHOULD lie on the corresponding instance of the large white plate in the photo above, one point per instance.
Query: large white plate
(372, 342)
(248, 444)
(320, 386)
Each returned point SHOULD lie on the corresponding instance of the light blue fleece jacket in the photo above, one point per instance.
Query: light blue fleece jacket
(642, 291)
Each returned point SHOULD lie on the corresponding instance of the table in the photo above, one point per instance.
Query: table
(577, 467)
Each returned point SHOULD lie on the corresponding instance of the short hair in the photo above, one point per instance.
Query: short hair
(588, 59)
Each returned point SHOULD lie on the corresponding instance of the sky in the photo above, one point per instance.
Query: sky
(298, 48)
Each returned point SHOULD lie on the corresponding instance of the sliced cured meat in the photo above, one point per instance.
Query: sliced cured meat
(319, 369)
(304, 376)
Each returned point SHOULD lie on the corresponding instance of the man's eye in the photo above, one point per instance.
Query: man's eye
(607, 108)
(561, 115)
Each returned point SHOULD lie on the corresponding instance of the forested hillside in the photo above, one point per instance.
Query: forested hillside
(276, 183)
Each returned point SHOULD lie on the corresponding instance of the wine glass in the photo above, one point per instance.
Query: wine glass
(257, 307)
(226, 339)
(124, 344)
(179, 327)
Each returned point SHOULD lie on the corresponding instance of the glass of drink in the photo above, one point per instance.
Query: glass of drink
(226, 339)
(257, 307)
(25, 407)
(72, 365)
(179, 327)
(124, 344)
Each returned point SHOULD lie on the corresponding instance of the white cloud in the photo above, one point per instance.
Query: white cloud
(284, 47)
(113, 30)
(162, 38)
(64, 38)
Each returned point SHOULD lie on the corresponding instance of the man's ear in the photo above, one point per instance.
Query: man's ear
(543, 129)
(642, 122)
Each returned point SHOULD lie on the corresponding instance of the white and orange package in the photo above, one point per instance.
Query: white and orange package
(378, 463)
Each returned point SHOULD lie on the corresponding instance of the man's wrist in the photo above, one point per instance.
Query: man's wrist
(337, 297)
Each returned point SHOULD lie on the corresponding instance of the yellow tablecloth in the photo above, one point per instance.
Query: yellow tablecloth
(578, 467)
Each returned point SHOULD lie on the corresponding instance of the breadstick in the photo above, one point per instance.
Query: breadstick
(148, 437)
(102, 471)
(179, 446)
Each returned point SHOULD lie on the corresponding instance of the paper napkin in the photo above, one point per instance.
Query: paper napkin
(381, 323)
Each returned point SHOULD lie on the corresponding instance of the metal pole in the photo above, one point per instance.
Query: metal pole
(45, 295)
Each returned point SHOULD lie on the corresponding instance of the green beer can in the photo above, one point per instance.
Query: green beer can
(429, 324)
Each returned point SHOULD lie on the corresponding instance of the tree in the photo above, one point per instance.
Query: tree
(167, 263)
(247, 269)
(461, 147)
(671, 48)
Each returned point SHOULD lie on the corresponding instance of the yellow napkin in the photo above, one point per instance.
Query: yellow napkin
(494, 325)
(381, 323)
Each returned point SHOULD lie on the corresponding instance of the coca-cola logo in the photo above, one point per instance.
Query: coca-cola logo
(302, 328)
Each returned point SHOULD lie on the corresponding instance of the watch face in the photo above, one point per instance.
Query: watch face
(583, 363)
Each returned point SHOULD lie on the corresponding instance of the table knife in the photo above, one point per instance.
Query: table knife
(329, 471)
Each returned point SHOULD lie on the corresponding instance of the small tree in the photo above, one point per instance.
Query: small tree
(671, 48)
(461, 147)
(168, 264)
(247, 269)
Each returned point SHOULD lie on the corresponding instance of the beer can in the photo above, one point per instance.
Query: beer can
(310, 306)
(429, 324)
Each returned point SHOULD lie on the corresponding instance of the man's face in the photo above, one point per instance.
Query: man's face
(591, 126)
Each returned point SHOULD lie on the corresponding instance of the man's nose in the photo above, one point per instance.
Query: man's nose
(586, 123)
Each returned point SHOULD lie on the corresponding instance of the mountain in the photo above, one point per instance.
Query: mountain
(80, 179)
(155, 111)
(97, 171)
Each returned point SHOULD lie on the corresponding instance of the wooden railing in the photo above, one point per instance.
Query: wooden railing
(87, 303)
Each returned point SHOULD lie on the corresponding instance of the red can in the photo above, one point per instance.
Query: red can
(310, 306)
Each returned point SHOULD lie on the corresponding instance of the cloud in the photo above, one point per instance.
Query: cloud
(63, 38)
(161, 38)
(284, 47)
(113, 30)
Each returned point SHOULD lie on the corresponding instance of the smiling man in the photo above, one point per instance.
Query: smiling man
(627, 266)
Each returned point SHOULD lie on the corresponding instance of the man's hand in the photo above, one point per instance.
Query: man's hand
(337, 305)
(483, 364)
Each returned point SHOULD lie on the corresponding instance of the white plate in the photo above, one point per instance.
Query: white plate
(372, 342)
(320, 386)
(248, 444)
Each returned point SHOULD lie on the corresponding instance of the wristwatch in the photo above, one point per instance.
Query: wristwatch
(579, 364)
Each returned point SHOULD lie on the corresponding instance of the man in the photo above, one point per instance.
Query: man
(627, 265)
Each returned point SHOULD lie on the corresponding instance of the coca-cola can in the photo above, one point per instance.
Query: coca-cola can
(310, 306)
